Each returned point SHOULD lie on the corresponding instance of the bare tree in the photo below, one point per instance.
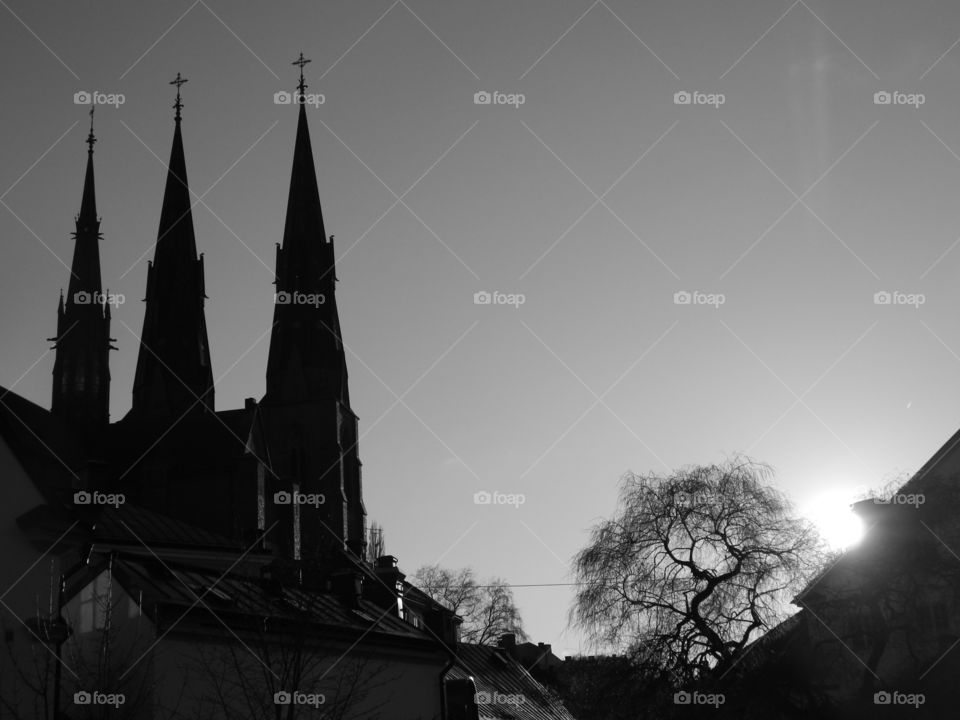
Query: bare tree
(376, 542)
(271, 669)
(488, 609)
(83, 664)
(692, 566)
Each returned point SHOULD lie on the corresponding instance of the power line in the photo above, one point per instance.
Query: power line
(506, 585)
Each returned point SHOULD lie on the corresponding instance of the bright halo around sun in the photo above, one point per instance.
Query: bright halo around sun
(838, 524)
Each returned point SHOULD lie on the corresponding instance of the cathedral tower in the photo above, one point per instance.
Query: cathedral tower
(307, 403)
(81, 376)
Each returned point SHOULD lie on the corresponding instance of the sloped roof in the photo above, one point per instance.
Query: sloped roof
(244, 598)
(130, 523)
(494, 671)
(41, 442)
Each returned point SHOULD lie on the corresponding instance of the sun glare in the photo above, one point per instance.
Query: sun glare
(830, 512)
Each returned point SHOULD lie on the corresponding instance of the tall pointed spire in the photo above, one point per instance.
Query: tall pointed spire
(307, 373)
(81, 374)
(88, 204)
(173, 369)
(306, 358)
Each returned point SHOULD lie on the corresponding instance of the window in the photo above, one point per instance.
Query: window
(80, 375)
(261, 497)
(94, 601)
(295, 508)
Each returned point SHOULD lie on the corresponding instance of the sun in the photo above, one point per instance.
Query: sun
(830, 512)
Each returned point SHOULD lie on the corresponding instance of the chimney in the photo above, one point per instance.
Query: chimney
(388, 592)
(249, 403)
(508, 641)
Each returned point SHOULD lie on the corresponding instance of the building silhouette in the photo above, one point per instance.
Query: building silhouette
(182, 548)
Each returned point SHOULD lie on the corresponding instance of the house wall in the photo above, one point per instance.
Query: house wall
(28, 583)
(215, 680)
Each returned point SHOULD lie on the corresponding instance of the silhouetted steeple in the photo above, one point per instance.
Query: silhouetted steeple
(81, 375)
(310, 428)
(173, 368)
(306, 359)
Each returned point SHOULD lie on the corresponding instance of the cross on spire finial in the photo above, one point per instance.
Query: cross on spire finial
(90, 138)
(302, 87)
(178, 105)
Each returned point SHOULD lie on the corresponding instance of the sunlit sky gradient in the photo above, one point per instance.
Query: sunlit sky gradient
(797, 199)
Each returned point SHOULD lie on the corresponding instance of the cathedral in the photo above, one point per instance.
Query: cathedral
(229, 471)
(184, 561)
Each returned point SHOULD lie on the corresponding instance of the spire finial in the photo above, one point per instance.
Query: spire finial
(90, 138)
(178, 105)
(302, 87)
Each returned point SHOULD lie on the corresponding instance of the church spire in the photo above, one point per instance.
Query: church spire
(173, 369)
(313, 432)
(306, 360)
(81, 376)
(88, 204)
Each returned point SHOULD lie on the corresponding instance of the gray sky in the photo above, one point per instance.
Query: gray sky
(598, 199)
